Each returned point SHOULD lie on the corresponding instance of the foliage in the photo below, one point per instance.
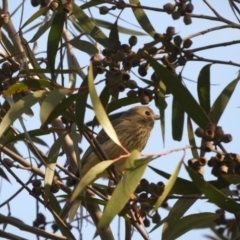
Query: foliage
(55, 87)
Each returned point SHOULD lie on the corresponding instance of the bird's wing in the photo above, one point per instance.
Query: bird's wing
(101, 138)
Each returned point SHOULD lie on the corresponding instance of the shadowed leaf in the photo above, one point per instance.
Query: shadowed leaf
(203, 88)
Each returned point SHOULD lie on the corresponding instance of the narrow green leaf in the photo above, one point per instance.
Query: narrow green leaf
(51, 164)
(177, 120)
(113, 35)
(112, 106)
(91, 175)
(46, 70)
(39, 141)
(181, 93)
(105, 96)
(142, 18)
(18, 96)
(33, 84)
(35, 16)
(121, 29)
(168, 187)
(18, 108)
(84, 46)
(191, 138)
(222, 100)
(50, 102)
(54, 204)
(231, 178)
(31, 57)
(92, 3)
(88, 26)
(81, 103)
(42, 29)
(181, 186)
(4, 175)
(75, 138)
(54, 37)
(61, 108)
(32, 134)
(175, 213)
(213, 194)
(99, 110)
(203, 88)
(161, 103)
(188, 223)
(8, 44)
(124, 189)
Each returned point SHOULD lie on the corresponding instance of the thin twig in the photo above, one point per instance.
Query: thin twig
(214, 46)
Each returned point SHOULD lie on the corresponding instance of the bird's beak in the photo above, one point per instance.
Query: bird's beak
(157, 117)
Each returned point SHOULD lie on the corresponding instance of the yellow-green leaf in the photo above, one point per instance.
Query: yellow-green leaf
(99, 110)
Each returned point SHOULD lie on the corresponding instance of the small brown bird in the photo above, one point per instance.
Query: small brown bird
(133, 129)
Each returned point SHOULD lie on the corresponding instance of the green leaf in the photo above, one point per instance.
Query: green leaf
(213, 194)
(8, 44)
(46, 70)
(203, 88)
(41, 30)
(168, 187)
(222, 100)
(89, 4)
(50, 102)
(18, 108)
(175, 213)
(75, 138)
(121, 29)
(231, 178)
(87, 179)
(124, 189)
(191, 138)
(177, 120)
(61, 108)
(181, 93)
(35, 16)
(84, 46)
(161, 103)
(33, 84)
(51, 164)
(142, 18)
(105, 96)
(181, 186)
(113, 35)
(31, 57)
(4, 175)
(99, 110)
(188, 223)
(81, 103)
(54, 37)
(112, 106)
(32, 134)
(88, 26)
(55, 206)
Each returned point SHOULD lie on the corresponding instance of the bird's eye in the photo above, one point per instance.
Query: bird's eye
(147, 113)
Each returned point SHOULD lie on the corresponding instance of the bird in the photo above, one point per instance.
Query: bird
(133, 129)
